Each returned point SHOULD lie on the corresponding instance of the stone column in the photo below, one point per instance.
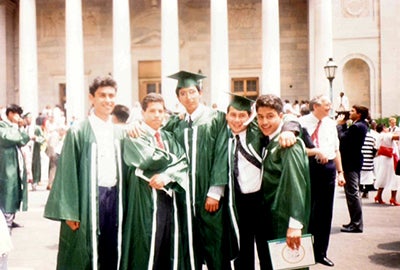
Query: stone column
(271, 67)
(321, 49)
(75, 89)
(122, 51)
(3, 55)
(28, 67)
(220, 82)
(169, 51)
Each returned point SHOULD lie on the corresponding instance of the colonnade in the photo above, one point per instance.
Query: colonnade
(320, 36)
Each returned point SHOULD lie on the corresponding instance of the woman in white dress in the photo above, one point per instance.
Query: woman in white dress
(385, 176)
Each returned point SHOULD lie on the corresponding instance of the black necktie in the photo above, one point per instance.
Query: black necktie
(236, 165)
(190, 122)
(264, 141)
(247, 156)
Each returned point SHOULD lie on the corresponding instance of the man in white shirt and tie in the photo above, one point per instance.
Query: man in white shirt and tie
(324, 160)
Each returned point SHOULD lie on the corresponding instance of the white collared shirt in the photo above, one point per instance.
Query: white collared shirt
(328, 139)
(196, 114)
(249, 175)
(106, 159)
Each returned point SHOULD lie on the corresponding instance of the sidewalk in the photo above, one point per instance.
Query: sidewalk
(35, 245)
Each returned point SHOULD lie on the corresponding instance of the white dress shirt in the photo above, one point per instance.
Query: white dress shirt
(327, 134)
(106, 155)
(249, 175)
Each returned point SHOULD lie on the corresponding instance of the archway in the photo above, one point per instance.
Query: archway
(357, 82)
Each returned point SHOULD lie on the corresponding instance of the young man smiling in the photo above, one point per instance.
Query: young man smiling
(203, 134)
(245, 171)
(285, 179)
(86, 194)
(157, 205)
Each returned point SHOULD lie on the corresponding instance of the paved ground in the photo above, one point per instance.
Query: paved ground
(35, 245)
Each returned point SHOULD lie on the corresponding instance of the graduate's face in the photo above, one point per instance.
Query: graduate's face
(268, 120)
(154, 115)
(190, 98)
(236, 119)
(103, 101)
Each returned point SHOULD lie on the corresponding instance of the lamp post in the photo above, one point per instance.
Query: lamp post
(330, 70)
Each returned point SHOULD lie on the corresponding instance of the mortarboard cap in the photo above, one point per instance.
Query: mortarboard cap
(186, 79)
(241, 103)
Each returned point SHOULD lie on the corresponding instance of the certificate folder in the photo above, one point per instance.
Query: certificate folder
(283, 257)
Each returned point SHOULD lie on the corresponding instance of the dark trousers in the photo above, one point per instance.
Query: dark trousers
(108, 223)
(162, 251)
(353, 198)
(322, 197)
(251, 229)
(9, 219)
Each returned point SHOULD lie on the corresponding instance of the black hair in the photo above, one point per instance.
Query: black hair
(102, 82)
(270, 101)
(152, 97)
(14, 108)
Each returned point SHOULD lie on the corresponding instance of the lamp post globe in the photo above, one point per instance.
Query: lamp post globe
(330, 70)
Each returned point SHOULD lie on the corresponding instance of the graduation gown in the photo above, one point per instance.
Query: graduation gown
(145, 160)
(206, 146)
(286, 187)
(74, 196)
(13, 185)
(36, 158)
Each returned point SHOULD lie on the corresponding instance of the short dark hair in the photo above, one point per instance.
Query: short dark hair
(152, 97)
(362, 110)
(102, 82)
(121, 112)
(270, 101)
(14, 108)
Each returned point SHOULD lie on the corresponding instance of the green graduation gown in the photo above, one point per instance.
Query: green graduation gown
(286, 187)
(139, 229)
(206, 146)
(36, 159)
(74, 196)
(13, 186)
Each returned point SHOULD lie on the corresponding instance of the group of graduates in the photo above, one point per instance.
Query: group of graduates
(197, 189)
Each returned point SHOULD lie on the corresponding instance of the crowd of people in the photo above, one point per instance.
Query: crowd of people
(203, 187)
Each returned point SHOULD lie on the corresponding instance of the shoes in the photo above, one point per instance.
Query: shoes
(394, 202)
(364, 195)
(351, 229)
(325, 261)
(379, 200)
(346, 225)
(16, 225)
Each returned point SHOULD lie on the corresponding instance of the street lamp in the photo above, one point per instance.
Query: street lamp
(330, 70)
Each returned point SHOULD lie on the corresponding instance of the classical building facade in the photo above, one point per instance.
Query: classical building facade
(51, 50)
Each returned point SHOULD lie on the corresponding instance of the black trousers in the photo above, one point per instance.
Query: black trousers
(108, 223)
(162, 251)
(353, 198)
(252, 230)
(322, 197)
